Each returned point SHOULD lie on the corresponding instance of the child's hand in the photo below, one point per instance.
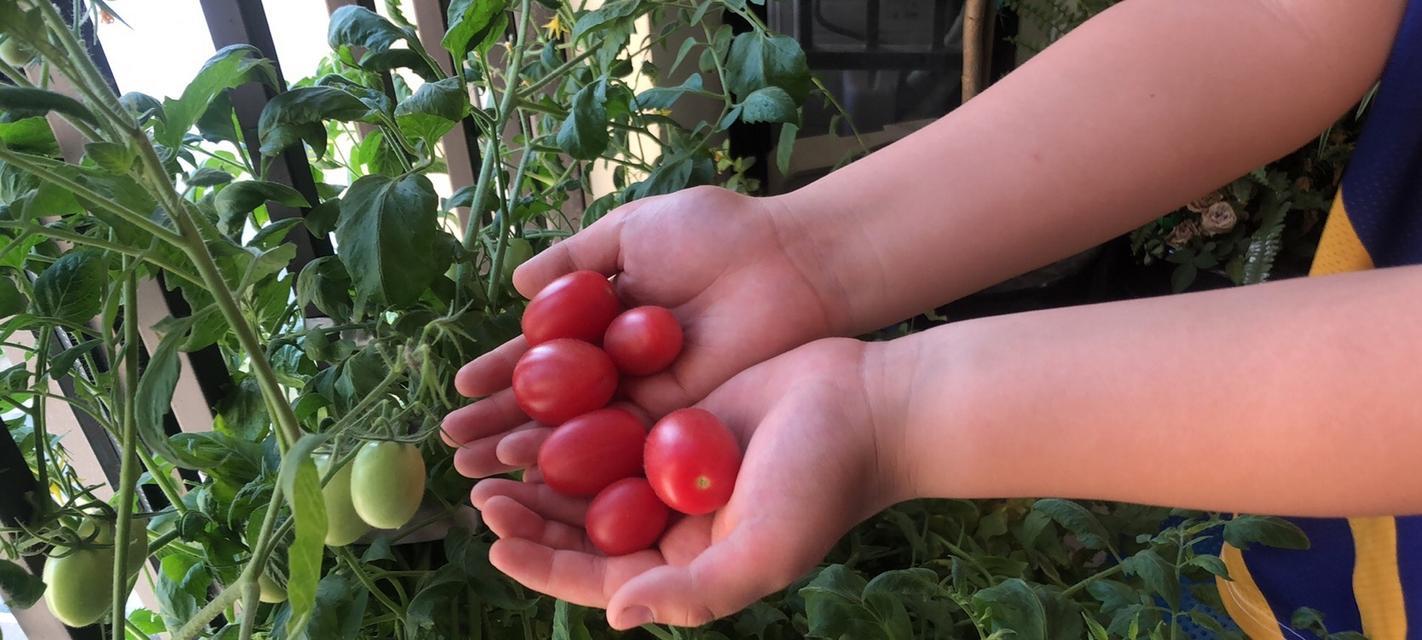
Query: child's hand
(817, 427)
(720, 261)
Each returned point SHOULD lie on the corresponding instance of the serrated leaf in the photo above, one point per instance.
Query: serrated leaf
(29, 135)
(583, 134)
(298, 115)
(785, 148)
(757, 61)
(23, 102)
(391, 59)
(568, 622)
(238, 199)
(21, 588)
(386, 237)
(1212, 564)
(1243, 532)
(325, 283)
(155, 391)
(606, 16)
(1078, 520)
(1157, 573)
(769, 104)
(12, 300)
(72, 288)
(1013, 606)
(1094, 628)
(206, 177)
(62, 363)
(232, 66)
(665, 97)
(432, 110)
(357, 26)
(473, 25)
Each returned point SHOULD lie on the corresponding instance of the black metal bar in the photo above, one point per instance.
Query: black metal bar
(245, 22)
(940, 24)
(871, 25)
(880, 60)
(804, 18)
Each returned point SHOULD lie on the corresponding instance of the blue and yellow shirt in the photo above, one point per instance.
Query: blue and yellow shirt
(1363, 574)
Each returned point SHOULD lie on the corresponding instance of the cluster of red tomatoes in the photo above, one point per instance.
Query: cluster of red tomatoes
(581, 342)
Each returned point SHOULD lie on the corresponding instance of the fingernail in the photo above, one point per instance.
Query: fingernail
(633, 617)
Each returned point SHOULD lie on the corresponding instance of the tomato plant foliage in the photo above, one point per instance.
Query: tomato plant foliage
(325, 357)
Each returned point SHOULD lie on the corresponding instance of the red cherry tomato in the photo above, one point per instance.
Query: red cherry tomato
(592, 451)
(626, 517)
(643, 341)
(579, 305)
(692, 461)
(562, 379)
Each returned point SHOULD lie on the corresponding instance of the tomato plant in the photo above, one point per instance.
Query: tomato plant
(692, 460)
(626, 517)
(562, 379)
(644, 340)
(343, 524)
(592, 451)
(579, 305)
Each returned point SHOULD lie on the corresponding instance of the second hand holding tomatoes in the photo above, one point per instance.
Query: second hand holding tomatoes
(580, 339)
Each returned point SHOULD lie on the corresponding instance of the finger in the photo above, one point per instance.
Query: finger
(596, 248)
(533, 475)
(491, 416)
(490, 372)
(479, 459)
(725, 578)
(507, 518)
(520, 448)
(538, 497)
(581, 578)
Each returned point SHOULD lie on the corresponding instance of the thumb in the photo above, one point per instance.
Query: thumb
(596, 248)
(725, 578)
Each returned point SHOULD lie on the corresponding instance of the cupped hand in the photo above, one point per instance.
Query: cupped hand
(819, 453)
(730, 267)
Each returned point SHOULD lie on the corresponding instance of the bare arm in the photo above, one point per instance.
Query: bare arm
(1147, 106)
(1291, 398)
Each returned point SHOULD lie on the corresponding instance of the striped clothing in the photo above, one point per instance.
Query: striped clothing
(1363, 574)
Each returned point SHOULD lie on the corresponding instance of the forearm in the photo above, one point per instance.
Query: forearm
(1149, 105)
(1292, 398)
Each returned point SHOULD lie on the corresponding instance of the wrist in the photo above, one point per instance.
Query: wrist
(820, 245)
(890, 372)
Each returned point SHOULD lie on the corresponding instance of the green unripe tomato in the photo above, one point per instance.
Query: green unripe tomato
(137, 546)
(13, 53)
(387, 483)
(272, 593)
(343, 524)
(516, 252)
(77, 585)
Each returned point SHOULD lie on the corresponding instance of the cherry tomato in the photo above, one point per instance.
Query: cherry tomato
(643, 341)
(71, 575)
(626, 517)
(13, 53)
(271, 591)
(692, 461)
(592, 451)
(387, 483)
(579, 305)
(562, 379)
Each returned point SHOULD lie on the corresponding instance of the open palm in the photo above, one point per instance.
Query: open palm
(811, 471)
(714, 257)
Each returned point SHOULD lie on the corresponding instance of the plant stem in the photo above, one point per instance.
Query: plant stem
(533, 87)
(1105, 573)
(128, 467)
(132, 217)
(198, 624)
(69, 236)
(163, 480)
(501, 226)
(251, 575)
(349, 558)
(491, 154)
(42, 501)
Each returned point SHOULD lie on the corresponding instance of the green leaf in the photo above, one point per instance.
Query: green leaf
(1183, 276)
(321, 219)
(12, 300)
(155, 391)
(27, 101)
(1078, 520)
(21, 588)
(386, 236)
(1212, 564)
(785, 148)
(670, 174)
(205, 177)
(325, 283)
(297, 115)
(1204, 620)
(110, 156)
(238, 199)
(391, 59)
(72, 288)
(686, 46)
(473, 25)
(833, 607)
(182, 583)
(606, 16)
(143, 106)
(232, 66)
(147, 622)
(757, 61)
(1245, 531)
(568, 622)
(274, 233)
(433, 110)
(218, 454)
(62, 363)
(665, 97)
(341, 602)
(769, 104)
(1158, 574)
(886, 594)
(583, 134)
(1013, 606)
(356, 26)
(29, 135)
(301, 486)
(1094, 628)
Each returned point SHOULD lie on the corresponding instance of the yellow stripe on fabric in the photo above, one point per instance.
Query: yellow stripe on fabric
(1243, 600)
(1376, 584)
(1340, 250)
